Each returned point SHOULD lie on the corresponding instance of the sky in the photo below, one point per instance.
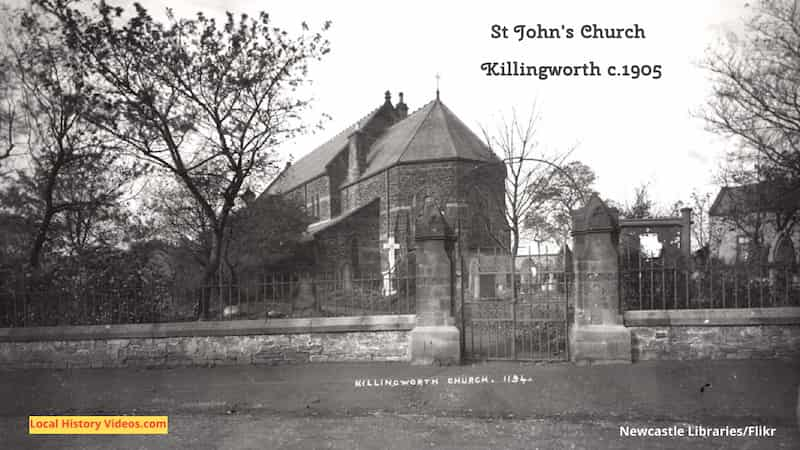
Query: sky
(629, 131)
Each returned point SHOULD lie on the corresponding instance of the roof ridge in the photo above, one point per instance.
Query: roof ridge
(460, 122)
(416, 130)
(447, 129)
(347, 128)
(317, 152)
(419, 109)
(274, 180)
(715, 205)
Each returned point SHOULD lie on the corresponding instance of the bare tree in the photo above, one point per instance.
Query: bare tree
(701, 231)
(568, 190)
(10, 121)
(206, 104)
(756, 81)
(529, 182)
(8, 116)
(642, 206)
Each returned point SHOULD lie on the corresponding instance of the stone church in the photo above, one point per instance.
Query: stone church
(365, 186)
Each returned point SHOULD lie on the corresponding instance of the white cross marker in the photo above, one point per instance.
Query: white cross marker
(390, 246)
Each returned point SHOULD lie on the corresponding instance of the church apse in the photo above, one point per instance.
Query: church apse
(376, 171)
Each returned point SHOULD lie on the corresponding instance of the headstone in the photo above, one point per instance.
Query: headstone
(304, 304)
(783, 268)
(347, 278)
(782, 251)
(475, 278)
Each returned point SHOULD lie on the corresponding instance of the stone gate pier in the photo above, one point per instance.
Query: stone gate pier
(597, 334)
(435, 339)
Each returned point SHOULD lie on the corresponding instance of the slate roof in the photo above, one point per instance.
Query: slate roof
(431, 133)
(754, 197)
(315, 228)
(313, 164)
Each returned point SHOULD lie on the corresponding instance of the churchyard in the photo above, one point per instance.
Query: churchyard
(163, 253)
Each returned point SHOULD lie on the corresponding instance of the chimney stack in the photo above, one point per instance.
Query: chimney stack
(401, 108)
(353, 157)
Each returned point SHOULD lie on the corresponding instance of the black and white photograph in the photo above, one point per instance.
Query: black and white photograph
(399, 225)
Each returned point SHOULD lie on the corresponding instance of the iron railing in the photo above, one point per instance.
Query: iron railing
(531, 328)
(657, 286)
(274, 296)
(292, 295)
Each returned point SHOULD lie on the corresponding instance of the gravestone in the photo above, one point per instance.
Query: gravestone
(304, 304)
(782, 251)
(347, 278)
(598, 334)
(783, 267)
(474, 278)
(435, 339)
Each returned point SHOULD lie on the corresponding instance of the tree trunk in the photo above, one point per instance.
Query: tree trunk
(39, 240)
(211, 283)
(514, 293)
(513, 259)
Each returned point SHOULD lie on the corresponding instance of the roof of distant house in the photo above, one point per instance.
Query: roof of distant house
(755, 197)
(431, 133)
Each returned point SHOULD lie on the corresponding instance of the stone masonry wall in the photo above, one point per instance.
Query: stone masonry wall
(455, 183)
(396, 190)
(206, 350)
(307, 193)
(318, 190)
(715, 342)
(353, 241)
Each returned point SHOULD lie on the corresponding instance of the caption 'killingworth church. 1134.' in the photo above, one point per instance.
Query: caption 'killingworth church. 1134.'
(365, 186)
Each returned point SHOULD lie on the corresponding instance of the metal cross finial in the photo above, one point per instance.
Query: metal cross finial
(437, 85)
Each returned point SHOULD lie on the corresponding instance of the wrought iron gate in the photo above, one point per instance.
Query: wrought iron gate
(532, 327)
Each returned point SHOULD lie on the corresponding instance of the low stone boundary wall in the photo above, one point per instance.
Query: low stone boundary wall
(277, 341)
(715, 334)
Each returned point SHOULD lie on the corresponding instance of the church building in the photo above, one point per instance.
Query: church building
(365, 186)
